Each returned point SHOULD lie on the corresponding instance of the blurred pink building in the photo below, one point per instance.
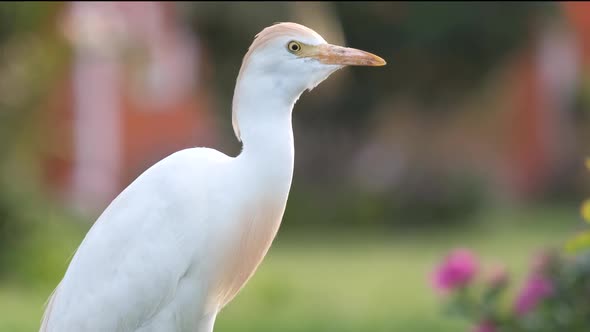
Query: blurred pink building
(544, 85)
(130, 97)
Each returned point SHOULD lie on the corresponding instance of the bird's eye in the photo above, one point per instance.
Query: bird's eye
(294, 47)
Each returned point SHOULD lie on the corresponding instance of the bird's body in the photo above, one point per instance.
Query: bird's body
(162, 277)
(180, 241)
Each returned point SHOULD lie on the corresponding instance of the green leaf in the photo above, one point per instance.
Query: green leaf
(578, 243)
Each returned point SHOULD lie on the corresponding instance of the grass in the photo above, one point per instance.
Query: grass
(321, 280)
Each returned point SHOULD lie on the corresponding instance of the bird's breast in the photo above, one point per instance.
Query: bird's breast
(256, 229)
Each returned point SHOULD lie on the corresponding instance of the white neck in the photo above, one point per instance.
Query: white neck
(263, 110)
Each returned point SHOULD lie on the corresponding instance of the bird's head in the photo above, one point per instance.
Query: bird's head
(288, 58)
(300, 55)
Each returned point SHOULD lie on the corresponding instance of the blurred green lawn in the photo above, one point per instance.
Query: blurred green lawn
(348, 280)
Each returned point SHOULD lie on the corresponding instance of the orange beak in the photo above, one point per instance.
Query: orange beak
(338, 55)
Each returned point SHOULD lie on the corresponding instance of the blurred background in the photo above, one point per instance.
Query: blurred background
(473, 135)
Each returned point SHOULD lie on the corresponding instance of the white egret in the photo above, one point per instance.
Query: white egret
(181, 240)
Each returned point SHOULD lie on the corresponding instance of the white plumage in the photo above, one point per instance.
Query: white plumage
(180, 241)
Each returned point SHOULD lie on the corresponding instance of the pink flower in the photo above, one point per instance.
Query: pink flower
(457, 270)
(537, 288)
(485, 326)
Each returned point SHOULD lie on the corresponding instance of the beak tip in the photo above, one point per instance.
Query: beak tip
(380, 61)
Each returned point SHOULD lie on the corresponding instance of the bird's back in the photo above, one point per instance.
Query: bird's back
(139, 266)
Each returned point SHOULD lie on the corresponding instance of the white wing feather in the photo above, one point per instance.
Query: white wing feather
(127, 273)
